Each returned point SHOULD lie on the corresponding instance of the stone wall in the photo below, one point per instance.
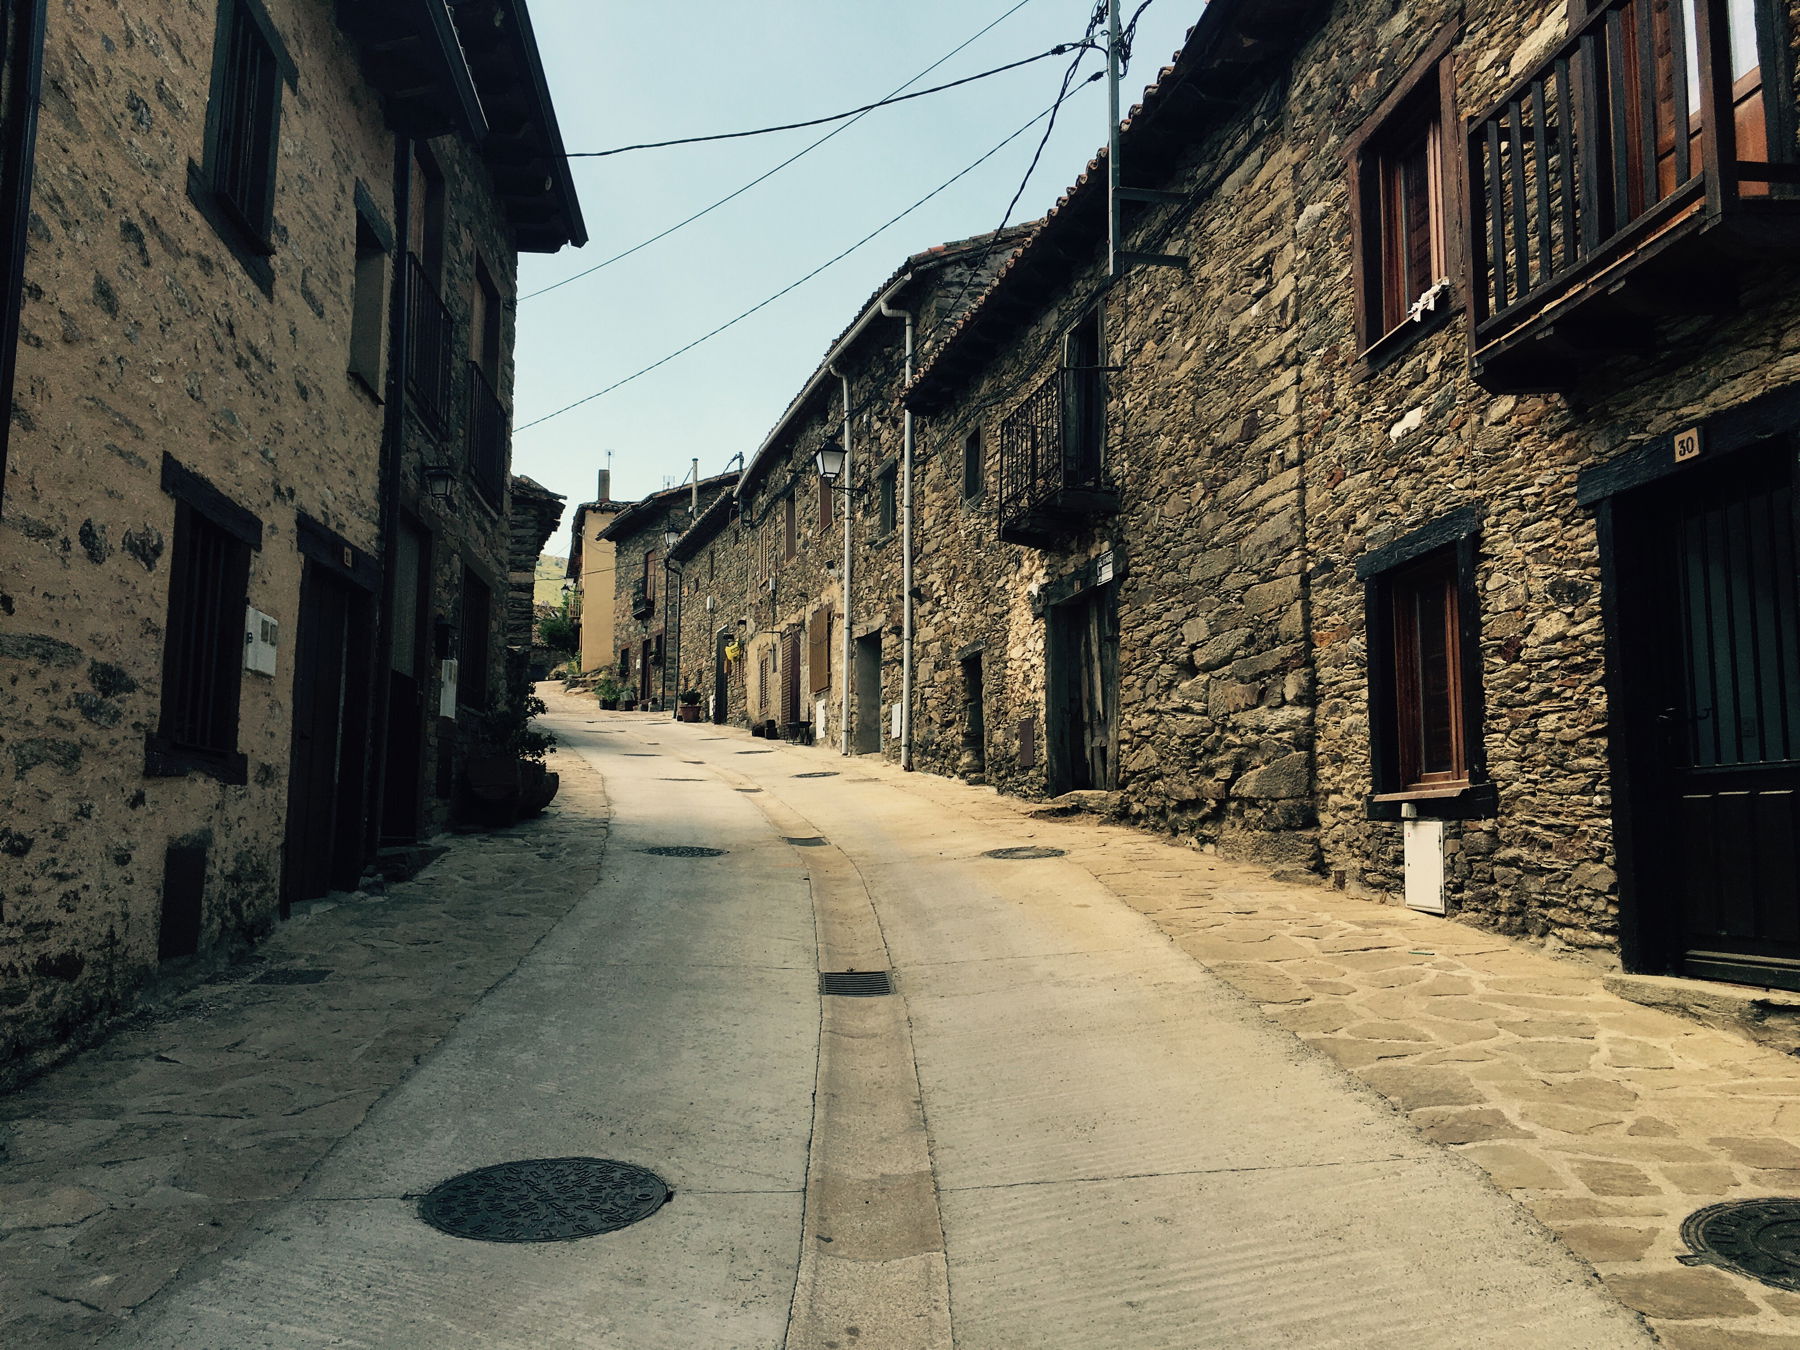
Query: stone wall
(144, 334)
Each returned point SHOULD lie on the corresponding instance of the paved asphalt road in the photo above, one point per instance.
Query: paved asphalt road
(1059, 1131)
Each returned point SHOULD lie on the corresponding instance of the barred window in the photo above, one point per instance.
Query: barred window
(235, 190)
(203, 640)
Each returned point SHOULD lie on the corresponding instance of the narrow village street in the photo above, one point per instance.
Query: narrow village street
(1070, 1125)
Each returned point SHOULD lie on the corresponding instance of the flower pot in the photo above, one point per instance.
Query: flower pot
(688, 712)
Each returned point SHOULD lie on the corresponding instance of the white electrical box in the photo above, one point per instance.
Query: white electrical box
(447, 689)
(262, 639)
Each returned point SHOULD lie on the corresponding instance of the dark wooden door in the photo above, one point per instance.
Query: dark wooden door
(721, 681)
(1718, 720)
(1082, 692)
(402, 783)
(790, 678)
(326, 767)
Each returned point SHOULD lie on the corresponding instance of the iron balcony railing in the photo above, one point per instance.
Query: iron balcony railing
(643, 604)
(484, 432)
(427, 346)
(1632, 124)
(1051, 469)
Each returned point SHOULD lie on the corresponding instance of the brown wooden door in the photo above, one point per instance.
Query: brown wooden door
(1719, 720)
(1082, 692)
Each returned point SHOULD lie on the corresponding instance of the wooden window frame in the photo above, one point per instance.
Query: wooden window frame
(827, 504)
(974, 466)
(1449, 548)
(474, 677)
(1423, 98)
(887, 500)
(234, 186)
(203, 638)
(369, 296)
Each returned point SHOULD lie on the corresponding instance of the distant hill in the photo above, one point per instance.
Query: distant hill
(550, 577)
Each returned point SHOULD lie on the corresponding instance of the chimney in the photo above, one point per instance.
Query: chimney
(605, 486)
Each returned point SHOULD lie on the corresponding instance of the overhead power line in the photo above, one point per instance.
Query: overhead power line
(763, 178)
(1061, 49)
(764, 304)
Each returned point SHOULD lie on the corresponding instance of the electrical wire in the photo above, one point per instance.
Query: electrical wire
(803, 151)
(763, 304)
(1061, 49)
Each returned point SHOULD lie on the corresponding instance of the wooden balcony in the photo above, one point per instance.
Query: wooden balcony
(643, 604)
(1052, 481)
(427, 346)
(484, 430)
(1626, 181)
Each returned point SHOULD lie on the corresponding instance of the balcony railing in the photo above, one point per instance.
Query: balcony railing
(1590, 182)
(427, 346)
(484, 432)
(1051, 476)
(643, 604)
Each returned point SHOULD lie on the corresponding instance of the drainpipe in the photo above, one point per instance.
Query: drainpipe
(393, 430)
(906, 554)
(849, 501)
(19, 155)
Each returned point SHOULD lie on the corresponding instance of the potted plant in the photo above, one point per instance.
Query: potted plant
(610, 689)
(689, 711)
(505, 772)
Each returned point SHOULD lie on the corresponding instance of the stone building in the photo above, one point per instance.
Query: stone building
(1408, 506)
(710, 572)
(643, 599)
(262, 381)
(591, 567)
(1440, 496)
(827, 559)
(533, 515)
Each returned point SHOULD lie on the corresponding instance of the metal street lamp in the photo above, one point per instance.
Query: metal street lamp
(830, 460)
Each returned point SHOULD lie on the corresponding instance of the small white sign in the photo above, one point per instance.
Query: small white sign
(894, 723)
(447, 689)
(262, 639)
(1103, 568)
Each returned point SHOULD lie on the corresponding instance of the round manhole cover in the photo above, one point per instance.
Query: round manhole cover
(683, 851)
(544, 1200)
(1024, 851)
(1759, 1238)
(823, 773)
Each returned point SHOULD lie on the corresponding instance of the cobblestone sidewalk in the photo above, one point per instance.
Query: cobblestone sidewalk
(1608, 1120)
(136, 1158)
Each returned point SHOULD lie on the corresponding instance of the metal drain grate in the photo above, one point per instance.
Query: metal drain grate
(756, 752)
(641, 754)
(811, 841)
(823, 773)
(683, 851)
(681, 780)
(1759, 1238)
(1023, 851)
(544, 1200)
(855, 983)
(291, 975)
(746, 789)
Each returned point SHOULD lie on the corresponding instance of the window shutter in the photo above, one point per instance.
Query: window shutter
(819, 653)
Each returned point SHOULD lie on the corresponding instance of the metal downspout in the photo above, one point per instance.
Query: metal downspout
(21, 112)
(849, 647)
(392, 432)
(906, 554)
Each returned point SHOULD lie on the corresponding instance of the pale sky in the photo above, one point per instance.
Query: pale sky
(621, 74)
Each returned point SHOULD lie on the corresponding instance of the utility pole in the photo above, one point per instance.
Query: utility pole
(1117, 256)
